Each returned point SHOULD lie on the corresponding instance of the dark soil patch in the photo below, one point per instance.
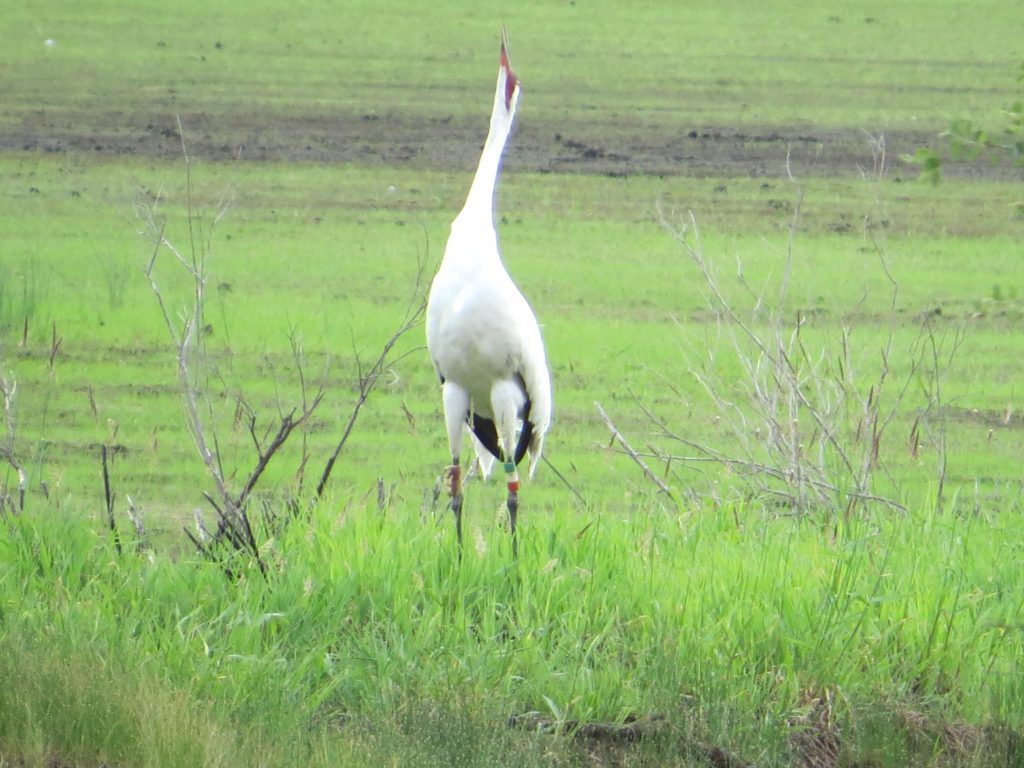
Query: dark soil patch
(604, 742)
(609, 148)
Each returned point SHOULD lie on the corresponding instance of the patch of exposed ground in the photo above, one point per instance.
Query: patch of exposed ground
(610, 148)
(816, 738)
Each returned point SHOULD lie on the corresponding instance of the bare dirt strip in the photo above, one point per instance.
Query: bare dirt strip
(606, 148)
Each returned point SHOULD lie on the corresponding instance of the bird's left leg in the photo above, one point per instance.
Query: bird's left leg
(456, 406)
(507, 399)
(512, 479)
(453, 474)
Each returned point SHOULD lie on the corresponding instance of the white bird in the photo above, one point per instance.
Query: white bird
(483, 337)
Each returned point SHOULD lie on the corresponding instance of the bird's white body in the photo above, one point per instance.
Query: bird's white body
(483, 337)
(485, 343)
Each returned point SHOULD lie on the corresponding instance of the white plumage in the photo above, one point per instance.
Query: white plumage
(482, 335)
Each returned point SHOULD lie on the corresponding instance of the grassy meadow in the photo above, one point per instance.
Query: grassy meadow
(873, 619)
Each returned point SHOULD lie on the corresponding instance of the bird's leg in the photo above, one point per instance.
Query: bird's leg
(512, 478)
(454, 477)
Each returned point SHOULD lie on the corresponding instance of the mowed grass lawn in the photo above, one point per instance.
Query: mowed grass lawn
(725, 619)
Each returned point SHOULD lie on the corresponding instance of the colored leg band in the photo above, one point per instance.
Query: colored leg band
(512, 476)
(454, 480)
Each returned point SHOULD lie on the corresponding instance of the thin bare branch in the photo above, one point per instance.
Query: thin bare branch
(109, 499)
(618, 437)
(368, 381)
(7, 451)
(135, 515)
(572, 489)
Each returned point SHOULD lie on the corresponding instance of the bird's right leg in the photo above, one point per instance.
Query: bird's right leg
(512, 480)
(454, 476)
(456, 408)
(507, 400)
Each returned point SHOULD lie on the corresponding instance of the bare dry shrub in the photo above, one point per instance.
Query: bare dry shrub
(199, 390)
(805, 425)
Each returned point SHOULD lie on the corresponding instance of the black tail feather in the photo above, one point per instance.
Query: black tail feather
(487, 433)
(526, 435)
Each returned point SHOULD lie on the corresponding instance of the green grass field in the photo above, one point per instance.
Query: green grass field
(879, 624)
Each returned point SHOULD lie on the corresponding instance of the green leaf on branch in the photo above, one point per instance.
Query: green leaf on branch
(928, 161)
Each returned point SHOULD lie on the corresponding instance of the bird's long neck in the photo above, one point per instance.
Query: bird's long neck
(480, 200)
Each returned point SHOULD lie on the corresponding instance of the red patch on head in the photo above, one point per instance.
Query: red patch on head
(510, 78)
(510, 86)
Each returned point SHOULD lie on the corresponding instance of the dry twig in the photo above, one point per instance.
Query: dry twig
(367, 380)
(108, 497)
(8, 389)
(617, 437)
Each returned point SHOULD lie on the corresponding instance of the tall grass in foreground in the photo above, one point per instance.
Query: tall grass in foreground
(371, 641)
